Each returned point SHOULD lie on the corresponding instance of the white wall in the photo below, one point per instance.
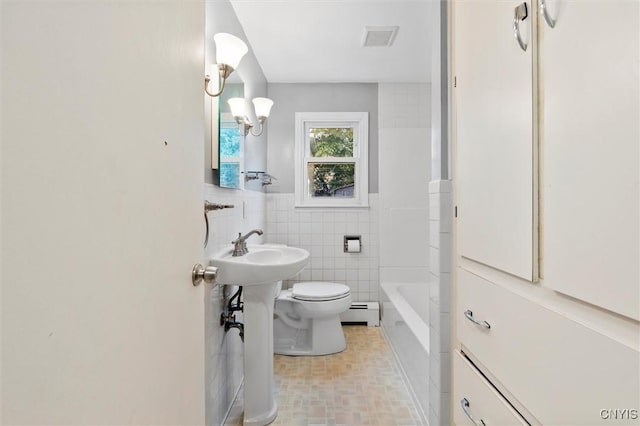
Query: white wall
(315, 97)
(405, 151)
(440, 151)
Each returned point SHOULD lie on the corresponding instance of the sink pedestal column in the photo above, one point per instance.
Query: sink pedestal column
(260, 407)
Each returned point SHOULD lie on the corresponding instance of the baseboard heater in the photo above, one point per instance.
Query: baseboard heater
(362, 313)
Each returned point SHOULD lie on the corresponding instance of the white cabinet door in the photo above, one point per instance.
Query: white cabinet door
(496, 171)
(102, 154)
(590, 144)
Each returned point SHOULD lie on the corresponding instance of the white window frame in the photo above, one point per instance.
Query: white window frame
(359, 121)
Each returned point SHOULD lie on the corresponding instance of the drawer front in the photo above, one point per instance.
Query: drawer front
(561, 371)
(485, 404)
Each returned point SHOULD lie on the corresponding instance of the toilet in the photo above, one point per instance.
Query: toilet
(306, 319)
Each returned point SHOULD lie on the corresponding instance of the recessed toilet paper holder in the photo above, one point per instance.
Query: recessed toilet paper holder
(348, 238)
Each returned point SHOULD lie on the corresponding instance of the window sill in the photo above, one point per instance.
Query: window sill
(332, 207)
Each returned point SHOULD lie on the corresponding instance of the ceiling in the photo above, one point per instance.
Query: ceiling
(319, 41)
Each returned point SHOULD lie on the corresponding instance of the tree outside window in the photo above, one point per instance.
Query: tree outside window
(331, 179)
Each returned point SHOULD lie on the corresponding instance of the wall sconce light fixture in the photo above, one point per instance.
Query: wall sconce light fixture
(262, 107)
(229, 51)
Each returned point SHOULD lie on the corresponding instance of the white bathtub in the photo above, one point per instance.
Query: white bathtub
(405, 321)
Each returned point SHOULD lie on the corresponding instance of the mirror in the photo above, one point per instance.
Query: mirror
(247, 81)
(227, 144)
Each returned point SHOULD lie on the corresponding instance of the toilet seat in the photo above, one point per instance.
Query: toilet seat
(319, 291)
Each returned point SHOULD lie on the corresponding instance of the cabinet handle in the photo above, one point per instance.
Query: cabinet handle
(469, 315)
(464, 402)
(520, 14)
(545, 12)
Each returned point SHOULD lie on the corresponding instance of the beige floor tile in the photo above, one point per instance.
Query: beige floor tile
(360, 386)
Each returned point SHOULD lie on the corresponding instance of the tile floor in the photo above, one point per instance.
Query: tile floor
(360, 386)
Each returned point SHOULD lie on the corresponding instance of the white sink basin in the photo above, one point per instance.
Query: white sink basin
(258, 271)
(264, 264)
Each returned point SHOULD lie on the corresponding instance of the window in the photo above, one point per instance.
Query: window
(331, 159)
(231, 153)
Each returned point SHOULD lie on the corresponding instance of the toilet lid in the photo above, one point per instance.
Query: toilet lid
(318, 291)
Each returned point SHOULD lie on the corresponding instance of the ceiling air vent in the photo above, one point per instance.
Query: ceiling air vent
(379, 36)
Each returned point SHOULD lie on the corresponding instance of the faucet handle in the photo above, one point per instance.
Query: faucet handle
(239, 246)
(237, 240)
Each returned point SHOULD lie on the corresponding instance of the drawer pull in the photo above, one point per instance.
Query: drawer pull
(464, 402)
(470, 317)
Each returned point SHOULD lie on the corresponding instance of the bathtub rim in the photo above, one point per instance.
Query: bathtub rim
(419, 328)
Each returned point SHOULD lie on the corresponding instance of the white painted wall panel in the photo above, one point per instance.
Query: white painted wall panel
(591, 146)
(495, 148)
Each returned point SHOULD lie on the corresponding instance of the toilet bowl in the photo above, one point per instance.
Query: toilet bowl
(306, 318)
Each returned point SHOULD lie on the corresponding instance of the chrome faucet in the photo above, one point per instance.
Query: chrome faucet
(240, 245)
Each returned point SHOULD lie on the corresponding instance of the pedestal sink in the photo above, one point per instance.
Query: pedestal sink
(258, 272)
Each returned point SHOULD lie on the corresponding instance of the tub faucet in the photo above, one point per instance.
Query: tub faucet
(240, 245)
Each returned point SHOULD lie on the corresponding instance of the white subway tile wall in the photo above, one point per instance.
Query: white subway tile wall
(404, 145)
(321, 232)
(224, 351)
(440, 224)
